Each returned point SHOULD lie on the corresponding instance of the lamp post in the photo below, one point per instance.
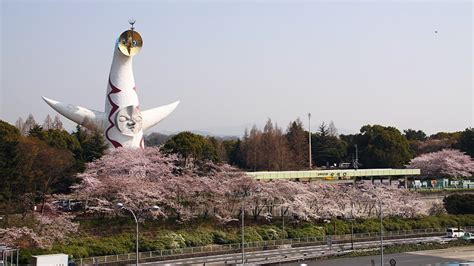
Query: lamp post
(356, 162)
(309, 137)
(381, 230)
(243, 248)
(352, 226)
(120, 206)
(283, 222)
(381, 225)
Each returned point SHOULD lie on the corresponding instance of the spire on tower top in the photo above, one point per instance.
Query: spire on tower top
(131, 22)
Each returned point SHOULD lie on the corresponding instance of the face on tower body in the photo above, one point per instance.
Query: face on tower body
(129, 120)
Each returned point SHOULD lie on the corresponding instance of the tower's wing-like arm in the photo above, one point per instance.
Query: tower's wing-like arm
(82, 116)
(153, 116)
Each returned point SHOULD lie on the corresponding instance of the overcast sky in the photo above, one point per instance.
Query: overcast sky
(237, 63)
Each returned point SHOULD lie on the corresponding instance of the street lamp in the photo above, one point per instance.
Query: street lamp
(356, 162)
(283, 222)
(381, 229)
(243, 237)
(120, 206)
(352, 225)
(309, 137)
(381, 225)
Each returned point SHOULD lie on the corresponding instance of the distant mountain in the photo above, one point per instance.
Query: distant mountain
(197, 132)
(230, 132)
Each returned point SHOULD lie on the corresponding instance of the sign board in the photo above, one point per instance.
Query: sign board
(50, 260)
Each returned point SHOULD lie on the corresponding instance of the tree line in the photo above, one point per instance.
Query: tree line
(273, 149)
(39, 160)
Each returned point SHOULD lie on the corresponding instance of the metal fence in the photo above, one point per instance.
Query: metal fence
(235, 247)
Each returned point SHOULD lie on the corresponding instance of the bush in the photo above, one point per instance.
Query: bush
(118, 244)
(271, 232)
(201, 235)
(459, 204)
(198, 237)
(305, 230)
(342, 227)
(395, 224)
(366, 226)
(171, 240)
(221, 237)
(251, 235)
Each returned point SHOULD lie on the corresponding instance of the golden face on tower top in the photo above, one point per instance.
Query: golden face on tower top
(130, 42)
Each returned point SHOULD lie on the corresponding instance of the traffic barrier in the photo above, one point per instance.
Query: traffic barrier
(272, 244)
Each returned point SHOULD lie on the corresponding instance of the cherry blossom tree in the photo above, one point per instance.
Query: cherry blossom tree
(40, 230)
(143, 178)
(445, 163)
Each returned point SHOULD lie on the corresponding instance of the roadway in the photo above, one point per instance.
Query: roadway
(293, 254)
(448, 256)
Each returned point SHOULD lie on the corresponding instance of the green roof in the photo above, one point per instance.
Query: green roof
(334, 174)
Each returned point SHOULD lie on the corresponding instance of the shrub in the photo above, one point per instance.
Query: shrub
(221, 237)
(342, 227)
(198, 237)
(395, 224)
(305, 230)
(269, 232)
(171, 240)
(459, 204)
(366, 226)
(251, 235)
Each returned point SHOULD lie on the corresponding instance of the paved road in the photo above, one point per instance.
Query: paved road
(438, 257)
(291, 254)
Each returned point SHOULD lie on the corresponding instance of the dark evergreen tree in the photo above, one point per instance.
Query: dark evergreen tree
(381, 147)
(412, 134)
(298, 145)
(459, 204)
(466, 141)
(191, 146)
(327, 149)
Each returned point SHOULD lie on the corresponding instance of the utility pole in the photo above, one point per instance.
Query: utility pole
(243, 239)
(356, 162)
(381, 232)
(309, 137)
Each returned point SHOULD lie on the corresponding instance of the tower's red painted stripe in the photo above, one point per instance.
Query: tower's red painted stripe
(114, 109)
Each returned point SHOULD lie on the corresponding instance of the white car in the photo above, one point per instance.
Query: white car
(468, 237)
(454, 232)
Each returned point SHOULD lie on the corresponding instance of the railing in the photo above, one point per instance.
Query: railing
(236, 247)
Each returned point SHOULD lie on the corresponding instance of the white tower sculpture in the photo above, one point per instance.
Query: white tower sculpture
(122, 121)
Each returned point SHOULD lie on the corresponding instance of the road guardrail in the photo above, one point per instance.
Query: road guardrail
(236, 247)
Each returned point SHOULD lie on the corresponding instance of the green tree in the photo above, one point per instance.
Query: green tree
(381, 146)
(91, 145)
(191, 146)
(466, 141)
(234, 152)
(30, 168)
(9, 138)
(459, 204)
(61, 139)
(327, 148)
(36, 131)
(297, 139)
(44, 169)
(452, 136)
(412, 134)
